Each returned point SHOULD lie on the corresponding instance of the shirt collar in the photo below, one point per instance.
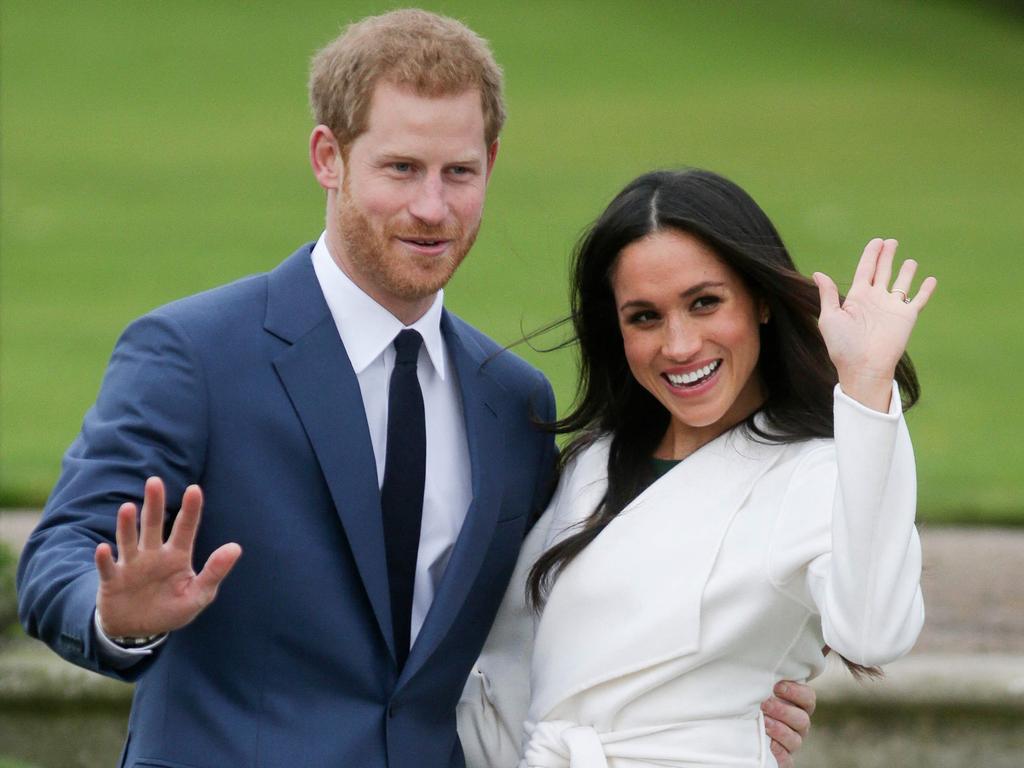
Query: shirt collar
(366, 328)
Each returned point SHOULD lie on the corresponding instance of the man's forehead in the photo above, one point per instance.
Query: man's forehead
(400, 118)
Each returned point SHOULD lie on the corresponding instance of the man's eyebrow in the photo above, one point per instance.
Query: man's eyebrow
(386, 155)
(693, 289)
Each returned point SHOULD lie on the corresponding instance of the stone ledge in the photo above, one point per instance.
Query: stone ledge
(31, 676)
(931, 680)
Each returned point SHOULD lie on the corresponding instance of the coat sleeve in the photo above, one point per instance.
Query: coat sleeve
(856, 501)
(149, 419)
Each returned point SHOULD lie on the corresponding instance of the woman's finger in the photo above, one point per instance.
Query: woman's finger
(904, 279)
(828, 294)
(924, 293)
(868, 260)
(883, 268)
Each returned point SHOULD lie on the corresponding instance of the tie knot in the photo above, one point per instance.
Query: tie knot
(407, 347)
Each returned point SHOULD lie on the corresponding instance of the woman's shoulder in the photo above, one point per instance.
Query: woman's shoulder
(787, 450)
(594, 453)
(583, 480)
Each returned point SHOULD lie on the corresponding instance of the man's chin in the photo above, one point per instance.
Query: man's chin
(422, 285)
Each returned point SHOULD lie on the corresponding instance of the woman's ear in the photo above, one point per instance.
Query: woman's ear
(764, 314)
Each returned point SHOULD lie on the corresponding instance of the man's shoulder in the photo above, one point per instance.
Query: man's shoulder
(241, 299)
(497, 360)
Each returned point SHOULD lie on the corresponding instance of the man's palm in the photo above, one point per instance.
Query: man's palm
(152, 588)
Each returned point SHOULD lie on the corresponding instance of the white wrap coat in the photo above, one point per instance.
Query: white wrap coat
(658, 643)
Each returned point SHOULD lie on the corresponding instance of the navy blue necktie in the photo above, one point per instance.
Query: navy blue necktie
(401, 496)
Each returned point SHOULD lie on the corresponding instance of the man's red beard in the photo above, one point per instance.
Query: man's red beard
(386, 263)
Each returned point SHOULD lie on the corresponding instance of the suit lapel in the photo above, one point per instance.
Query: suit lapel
(316, 372)
(481, 395)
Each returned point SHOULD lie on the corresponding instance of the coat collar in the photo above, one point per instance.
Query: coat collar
(651, 562)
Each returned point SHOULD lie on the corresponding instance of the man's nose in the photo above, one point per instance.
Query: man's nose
(429, 205)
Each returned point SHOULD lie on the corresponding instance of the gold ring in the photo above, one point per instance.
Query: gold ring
(905, 299)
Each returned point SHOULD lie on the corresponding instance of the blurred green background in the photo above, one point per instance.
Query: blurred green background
(151, 150)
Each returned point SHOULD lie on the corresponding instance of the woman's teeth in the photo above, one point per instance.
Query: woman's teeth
(693, 377)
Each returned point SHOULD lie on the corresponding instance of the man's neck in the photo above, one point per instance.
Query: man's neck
(408, 311)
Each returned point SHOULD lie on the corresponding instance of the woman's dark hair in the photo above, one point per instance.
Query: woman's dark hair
(796, 372)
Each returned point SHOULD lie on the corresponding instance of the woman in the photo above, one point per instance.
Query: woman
(739, 496)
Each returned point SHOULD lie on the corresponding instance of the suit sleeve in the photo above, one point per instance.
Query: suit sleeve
(856, 502)
(149, 419)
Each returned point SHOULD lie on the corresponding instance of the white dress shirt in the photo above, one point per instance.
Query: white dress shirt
(367, 330)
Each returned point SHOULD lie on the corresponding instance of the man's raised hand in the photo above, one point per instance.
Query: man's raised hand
(151, 588)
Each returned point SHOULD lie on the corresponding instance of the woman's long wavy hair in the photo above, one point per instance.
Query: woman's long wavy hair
(796, 372)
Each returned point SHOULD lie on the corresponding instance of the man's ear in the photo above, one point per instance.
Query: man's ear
(492, 154)
(325, 158)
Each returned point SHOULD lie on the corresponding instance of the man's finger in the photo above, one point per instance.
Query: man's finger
(217, 567)
(104, 558)
(151, 529)
(803, 696)
(126, 536)
(183, 532)
(787, 738)
(789, 716)
(782, 757)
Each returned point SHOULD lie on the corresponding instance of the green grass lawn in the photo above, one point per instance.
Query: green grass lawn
(153, 150)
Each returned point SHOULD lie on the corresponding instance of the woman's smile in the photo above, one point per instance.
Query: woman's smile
(690, 332)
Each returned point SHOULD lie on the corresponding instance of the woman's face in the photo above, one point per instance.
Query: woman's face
(690, 330)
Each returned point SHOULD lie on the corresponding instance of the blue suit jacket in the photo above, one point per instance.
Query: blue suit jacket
(248, 391)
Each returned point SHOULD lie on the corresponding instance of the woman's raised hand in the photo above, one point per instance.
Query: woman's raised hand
(867, 334)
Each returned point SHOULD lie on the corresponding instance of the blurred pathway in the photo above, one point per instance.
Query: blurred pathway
(973, 585)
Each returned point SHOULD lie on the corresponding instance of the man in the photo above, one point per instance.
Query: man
(372, 455)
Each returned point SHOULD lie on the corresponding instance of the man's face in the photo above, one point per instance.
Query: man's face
(411, 196)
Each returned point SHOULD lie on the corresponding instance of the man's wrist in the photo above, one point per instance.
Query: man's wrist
(134, 642)
(120, 656)
(128, 642)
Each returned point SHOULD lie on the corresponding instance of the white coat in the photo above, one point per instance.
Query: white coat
(658, 643)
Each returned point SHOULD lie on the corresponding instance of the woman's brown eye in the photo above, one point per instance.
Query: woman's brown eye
(706, 301)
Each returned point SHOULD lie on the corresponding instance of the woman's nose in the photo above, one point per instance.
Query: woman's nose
(681, 340)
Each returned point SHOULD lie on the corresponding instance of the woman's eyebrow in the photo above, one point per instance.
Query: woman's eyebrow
(703, 286)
